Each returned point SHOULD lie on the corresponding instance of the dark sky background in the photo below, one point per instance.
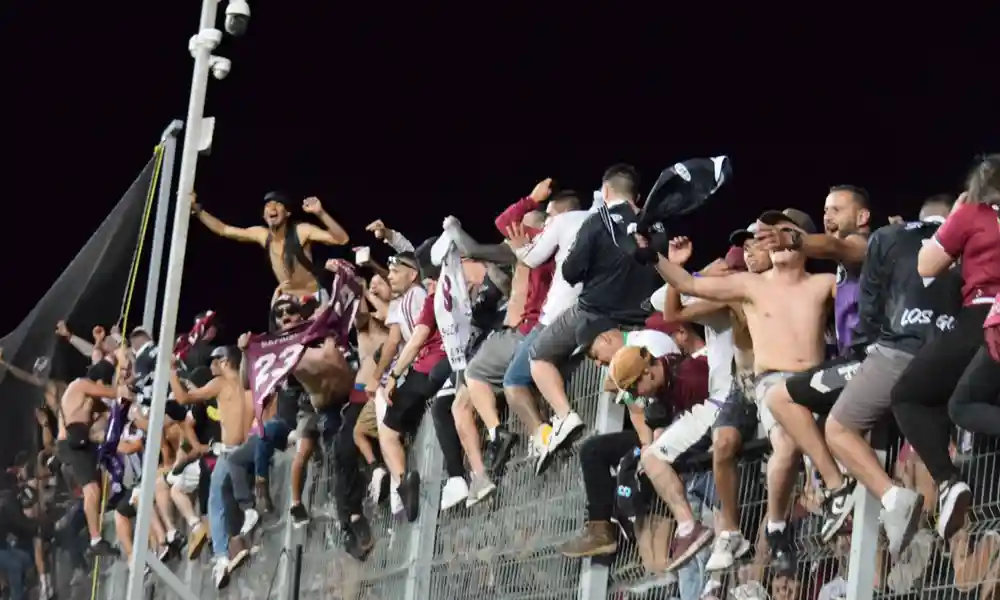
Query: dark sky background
(413, 113)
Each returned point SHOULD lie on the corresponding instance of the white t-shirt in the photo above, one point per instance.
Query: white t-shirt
(656, 342)
(133, 462)
(405, 310)
(835, 589)
(555, 241)
(721, 350)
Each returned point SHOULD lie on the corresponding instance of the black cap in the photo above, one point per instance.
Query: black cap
(789, 215)
(738, 237)
(406, 259)
(278, 197)
(428, 270)
(588, 331)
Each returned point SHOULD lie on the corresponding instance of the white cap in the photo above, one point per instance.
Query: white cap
(659, 298)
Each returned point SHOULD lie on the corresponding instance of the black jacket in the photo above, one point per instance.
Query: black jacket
(12, 518)
(896, 308)
(614, 284)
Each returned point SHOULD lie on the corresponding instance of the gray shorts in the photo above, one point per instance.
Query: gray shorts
(867, 397)
(490, 363)
(766, 381)
(740, 413)
(557, 341)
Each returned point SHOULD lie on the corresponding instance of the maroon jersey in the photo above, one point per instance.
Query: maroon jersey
(272, 356)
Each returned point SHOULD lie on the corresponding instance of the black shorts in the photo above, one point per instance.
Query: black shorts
(740, 413)
(818, 388)
(80, 462)
(122, 503)
(409, 402)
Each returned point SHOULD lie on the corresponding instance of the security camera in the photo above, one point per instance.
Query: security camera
(237, 17)
(220, 66)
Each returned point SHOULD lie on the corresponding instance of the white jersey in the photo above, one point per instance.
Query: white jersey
(133, 462)
(554, 242)
(721, 349)
(452, 306)
(405, 310)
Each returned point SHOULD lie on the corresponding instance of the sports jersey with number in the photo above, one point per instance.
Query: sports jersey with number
(452, 307)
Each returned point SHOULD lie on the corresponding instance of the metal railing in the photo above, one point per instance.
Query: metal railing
(505, 547)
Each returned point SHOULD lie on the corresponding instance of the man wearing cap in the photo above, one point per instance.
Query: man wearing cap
(676, 385)
(600, 339)
(288, 242)
(736, 415)
(786, 308)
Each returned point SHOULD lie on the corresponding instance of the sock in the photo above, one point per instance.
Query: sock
(193, 522)
(685, 528)
(493, 434)
(890, 498)
(775, 526)
(171, 535)
(95, 541)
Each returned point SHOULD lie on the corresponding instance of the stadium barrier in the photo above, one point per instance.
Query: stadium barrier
(505, 547)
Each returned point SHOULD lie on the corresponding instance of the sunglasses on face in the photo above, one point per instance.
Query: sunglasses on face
(285, 311)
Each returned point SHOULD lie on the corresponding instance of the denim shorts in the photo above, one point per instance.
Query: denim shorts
(519, 370)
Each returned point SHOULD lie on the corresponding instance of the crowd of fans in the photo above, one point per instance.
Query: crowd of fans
(752, 346)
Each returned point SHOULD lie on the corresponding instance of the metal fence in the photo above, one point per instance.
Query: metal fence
(505, 547)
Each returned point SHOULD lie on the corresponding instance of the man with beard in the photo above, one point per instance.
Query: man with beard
(82, 398)
(288, 242)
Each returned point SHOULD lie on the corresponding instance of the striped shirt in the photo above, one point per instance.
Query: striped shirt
(405, 311)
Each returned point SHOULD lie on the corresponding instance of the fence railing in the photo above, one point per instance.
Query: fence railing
(505, 547)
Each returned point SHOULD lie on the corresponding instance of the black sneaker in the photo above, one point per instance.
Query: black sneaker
(177, 546)
(300, 516)
(783, 560)
(409, 493)
(360, 541)
(102, 548)
(498, 450)
(838, 506)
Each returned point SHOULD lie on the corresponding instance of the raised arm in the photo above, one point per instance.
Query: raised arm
(731, 288)
(21, 374)
(250, 235)
(201, 394)
(394, 239)
(465, 242)
(332, 235)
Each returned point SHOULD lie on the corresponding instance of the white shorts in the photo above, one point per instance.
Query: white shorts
(690, 432)
(187, 481)
(766, 381)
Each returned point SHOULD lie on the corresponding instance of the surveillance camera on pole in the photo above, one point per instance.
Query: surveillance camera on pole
(237, 17)
(197, 138)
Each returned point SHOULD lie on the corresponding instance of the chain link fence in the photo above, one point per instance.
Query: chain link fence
(505, 547)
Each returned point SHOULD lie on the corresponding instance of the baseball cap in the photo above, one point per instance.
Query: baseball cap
(139, 331)
(734, 259)
(405, 259)
(278, 197)
(789, 215)
(657, 300)
(738, 237)
(627, 366)
(588, 331)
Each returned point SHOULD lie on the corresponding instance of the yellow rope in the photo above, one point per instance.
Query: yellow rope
(126, 308)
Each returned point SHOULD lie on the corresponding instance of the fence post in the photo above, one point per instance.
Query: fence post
(291, 538)
(428, 458)
(864, 543)
(594, 577)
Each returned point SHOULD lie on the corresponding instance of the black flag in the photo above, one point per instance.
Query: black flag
(683, 188)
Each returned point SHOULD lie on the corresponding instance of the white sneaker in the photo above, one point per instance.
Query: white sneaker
(562, 429)
(220, 573)
(250, 520)
(454, 492)
(395, 501)
(539, 440)
(729, 545)
(375, 485)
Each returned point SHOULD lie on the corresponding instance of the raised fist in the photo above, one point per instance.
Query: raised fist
(312, 205)
(542, 191)
(243, 342)
(378, 229)
(62, 330)
(99, 334)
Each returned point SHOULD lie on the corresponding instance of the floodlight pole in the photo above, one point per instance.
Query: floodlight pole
(169, 142)
(201, 46)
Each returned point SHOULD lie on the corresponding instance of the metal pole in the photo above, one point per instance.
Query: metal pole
(297, 582)
(201, 48)
(169, 142)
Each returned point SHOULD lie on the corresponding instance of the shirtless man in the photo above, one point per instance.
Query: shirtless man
(288, 242)
(786, 310)
(82, 398)
(235, 416)
(736, 422)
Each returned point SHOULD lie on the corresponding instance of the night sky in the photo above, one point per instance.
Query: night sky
(410, 114)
